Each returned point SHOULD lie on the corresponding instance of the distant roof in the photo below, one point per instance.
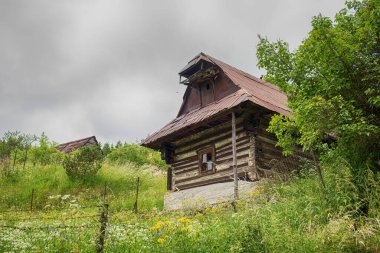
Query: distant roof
(73, 145)
(251, 89)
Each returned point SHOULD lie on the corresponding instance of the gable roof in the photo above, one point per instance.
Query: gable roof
(250, 89)
(73, 145)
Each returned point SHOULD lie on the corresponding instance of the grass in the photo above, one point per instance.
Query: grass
(50, 180)
(292, 216)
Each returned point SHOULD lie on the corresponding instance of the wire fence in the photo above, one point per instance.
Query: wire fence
(101, 218)
(98, 220)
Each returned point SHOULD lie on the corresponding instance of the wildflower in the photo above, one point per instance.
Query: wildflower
(187, 228)
(54, 197)
(64, 197)
(184, 220)
(160, 240)
(159, 225)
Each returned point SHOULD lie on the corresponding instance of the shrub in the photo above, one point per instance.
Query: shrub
(83, 162)
(136, 154)
(45, 153)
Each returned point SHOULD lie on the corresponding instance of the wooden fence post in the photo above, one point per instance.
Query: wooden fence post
(105, 193)
(31, 200)
(137, 194)
(103, 226)
(26, 157)
(14, 160)
(319, 171)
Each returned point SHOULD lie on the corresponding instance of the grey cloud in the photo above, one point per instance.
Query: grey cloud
(109, 68)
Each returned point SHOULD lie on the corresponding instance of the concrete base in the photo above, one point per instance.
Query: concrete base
(207, 195)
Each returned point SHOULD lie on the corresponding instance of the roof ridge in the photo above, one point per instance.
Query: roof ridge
(246, 74)
(77, 140)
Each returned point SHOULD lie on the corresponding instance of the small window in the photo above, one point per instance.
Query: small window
(206, 159)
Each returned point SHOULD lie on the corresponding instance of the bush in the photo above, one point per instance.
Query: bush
(83, 162)
(45, 153)
(133, 153)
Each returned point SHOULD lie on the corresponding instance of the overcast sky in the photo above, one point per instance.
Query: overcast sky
(76, 68)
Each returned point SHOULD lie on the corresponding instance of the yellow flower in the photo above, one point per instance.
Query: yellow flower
(160, 240)
(159, 225)
(167, 222)
(184, 220)
(187, 228)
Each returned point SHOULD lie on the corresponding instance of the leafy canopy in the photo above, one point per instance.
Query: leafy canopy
(332, 82)
(84, 162)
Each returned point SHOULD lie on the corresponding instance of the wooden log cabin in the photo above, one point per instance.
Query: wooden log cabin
(219, 134)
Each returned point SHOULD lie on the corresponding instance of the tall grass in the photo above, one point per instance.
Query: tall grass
(293, 216)
(50, 180)
(134, 153)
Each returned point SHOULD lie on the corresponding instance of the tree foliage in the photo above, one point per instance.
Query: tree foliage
(83, 162)
(46, 152)
(15, 140)
(333, 85)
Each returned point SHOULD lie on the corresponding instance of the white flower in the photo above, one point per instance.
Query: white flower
(54, 196)
(66, 196)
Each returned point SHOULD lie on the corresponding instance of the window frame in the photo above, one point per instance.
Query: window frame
(201, 152)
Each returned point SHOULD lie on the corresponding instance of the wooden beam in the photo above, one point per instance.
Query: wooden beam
(254, 157)
(234, 157)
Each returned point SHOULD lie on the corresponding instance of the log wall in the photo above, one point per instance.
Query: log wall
(257, 156)
(269, 158)
(185, 168)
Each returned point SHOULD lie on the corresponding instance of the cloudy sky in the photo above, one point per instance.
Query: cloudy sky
(76, 68)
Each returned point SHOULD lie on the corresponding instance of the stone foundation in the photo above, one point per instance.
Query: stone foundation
(207, 195)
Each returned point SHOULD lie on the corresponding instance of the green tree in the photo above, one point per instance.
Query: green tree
(84, 162)
(119, 144)
(15, 140)
(333, 85)
(106, 149)
(46, 152)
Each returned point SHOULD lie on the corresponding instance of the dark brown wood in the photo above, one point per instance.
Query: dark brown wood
(194, 168)
(234, 157)
(230, 159)
(185, 160)
(169, 185)
(192, 163)
(228, 152)
(103, 226)
(239, 142)
(230, 168)
(199, 146)
(196, 95)
(137, 194)
(224, 130)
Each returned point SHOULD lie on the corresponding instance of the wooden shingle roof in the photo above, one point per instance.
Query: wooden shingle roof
(250, 89)
(73, 145)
